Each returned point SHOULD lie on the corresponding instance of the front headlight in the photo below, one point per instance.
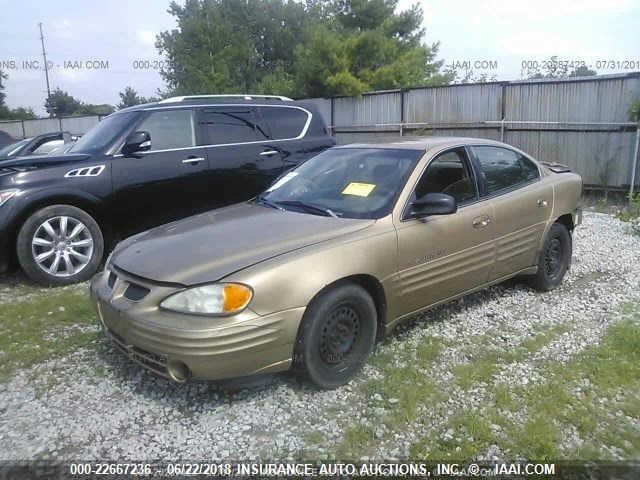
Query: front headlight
(215, 299)
(6, 195)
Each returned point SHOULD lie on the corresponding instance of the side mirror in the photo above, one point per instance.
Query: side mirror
(433, 204)
(137, 142)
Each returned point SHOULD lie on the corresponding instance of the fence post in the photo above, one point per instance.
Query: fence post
(502, 129)
(402, 115)
(333, 122)
(24, 131)
(634, 163)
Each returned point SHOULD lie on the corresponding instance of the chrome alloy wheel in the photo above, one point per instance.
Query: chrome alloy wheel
(62, 246)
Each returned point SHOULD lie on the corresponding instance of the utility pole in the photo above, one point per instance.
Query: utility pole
(46, 66)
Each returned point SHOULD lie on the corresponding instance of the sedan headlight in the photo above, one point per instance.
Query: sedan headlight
(6, 195)
(215, 299)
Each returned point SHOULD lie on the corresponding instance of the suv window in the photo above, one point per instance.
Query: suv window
(504, 168)
(170, 129)
(449, 173)
(284, 122)
(222, 125)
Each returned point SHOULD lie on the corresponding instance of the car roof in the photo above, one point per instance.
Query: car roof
(427, 143)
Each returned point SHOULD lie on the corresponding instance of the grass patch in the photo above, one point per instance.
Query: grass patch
(42, 328)
(485, 362)
(401, 392)
(586, 409)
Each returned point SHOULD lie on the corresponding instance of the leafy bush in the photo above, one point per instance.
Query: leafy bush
(634, 110)
(631, 214)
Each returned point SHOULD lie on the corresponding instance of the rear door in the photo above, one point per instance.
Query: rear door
(166, 182)
(242, 159)
(297, 138)
(522, 205)
(444, 255)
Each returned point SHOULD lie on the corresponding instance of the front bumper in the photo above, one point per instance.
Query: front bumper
(179, 346)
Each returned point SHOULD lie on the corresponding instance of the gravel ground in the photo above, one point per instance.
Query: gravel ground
(97, 404)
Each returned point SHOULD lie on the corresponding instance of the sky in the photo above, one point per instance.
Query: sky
(117, 38)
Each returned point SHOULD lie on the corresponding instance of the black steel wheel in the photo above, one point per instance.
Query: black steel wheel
(336, 336)
(554, 258)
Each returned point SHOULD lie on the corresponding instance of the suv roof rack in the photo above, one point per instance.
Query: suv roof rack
(244, 96)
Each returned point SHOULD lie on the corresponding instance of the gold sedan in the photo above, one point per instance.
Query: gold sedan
(335, 254)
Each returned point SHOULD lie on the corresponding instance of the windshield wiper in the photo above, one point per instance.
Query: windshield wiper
(309, 206)
(262, 200)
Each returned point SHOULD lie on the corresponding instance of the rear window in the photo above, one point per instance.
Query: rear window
(504, 169)
(284, 122)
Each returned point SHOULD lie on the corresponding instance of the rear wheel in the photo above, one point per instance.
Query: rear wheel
(60, 245)
(554, 259)
(336, 336)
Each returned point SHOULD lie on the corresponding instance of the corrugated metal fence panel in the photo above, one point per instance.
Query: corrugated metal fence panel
(344, 138)
(324, 107)
(40, 126)
(602, 158)
(458, 103)
(12, 128)
(367, 109)
(79, 125)
(605, 100)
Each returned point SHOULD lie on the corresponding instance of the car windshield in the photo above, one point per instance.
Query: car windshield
(13, 147)
(104, 133)
(344, 182)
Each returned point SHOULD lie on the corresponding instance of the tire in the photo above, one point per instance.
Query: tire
(347, 315)
(45, 234)
(554, 259)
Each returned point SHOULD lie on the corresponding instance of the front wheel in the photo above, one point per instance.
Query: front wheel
(60, 245)
(554, 258)
(336, 336)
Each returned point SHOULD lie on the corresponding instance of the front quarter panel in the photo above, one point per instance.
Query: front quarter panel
(294, 279)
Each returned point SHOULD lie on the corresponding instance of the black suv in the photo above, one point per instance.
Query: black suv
(144, 166)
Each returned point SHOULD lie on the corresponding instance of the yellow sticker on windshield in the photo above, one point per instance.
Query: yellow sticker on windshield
(359, 189)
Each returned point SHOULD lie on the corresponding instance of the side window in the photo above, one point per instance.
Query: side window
(170, 129)
(222, 125)
(449, 173)
(284, 122)
(46, 147)
(503, 168)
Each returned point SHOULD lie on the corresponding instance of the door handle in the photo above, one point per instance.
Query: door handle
(193, 160)
(268, 153)
(481, 222)
(541, 203)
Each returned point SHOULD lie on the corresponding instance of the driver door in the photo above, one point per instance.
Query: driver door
(441, 256)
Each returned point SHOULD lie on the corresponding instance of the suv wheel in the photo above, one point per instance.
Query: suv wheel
(337, 334)
(60, 245)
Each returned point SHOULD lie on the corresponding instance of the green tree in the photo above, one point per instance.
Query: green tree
(3, 76)
(634, 111)
(129, 97)
(582, 71)
(60, 104)
(317, 48)
(93, 109)
(7, 113)
(21, 113)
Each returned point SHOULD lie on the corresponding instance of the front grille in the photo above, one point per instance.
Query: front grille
(133, 291)
(151, 361)
(136, 292)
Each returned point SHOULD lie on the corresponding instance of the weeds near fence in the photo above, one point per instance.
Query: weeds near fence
(631, 214)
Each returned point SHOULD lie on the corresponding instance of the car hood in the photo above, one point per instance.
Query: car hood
(29, 162)
(212, 245)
